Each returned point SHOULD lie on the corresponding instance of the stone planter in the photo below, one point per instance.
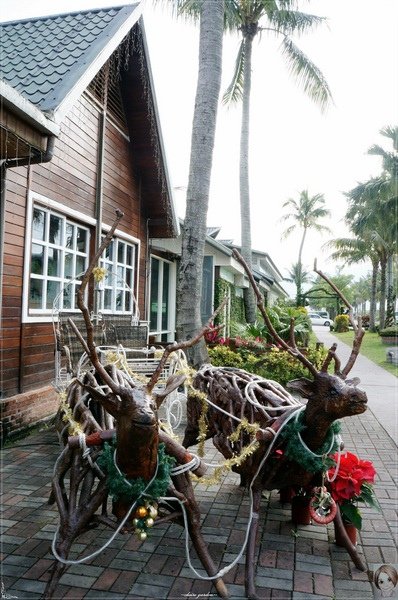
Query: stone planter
(390, 340)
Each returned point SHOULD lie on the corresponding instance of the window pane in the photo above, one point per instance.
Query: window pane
(109, 251)
(81, 239)
(55, 234)
(129, 277)
(67, 296)
(129, 256)
(69, 235)
(36, 293)
(53, 288)
(37, 259)
(119, 300)
(120, 252)
(107, 299)
(127, 301)
(54, 262)
(39, 224)
(68, 266)
(80, 265)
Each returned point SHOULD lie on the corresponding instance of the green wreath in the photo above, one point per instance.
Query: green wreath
(295, 451)
(131, 489)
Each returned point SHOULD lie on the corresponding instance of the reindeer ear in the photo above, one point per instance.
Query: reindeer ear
(173, 382)
(354, 381)
(304, 386)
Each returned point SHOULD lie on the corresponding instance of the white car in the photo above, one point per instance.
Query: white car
(316, 319)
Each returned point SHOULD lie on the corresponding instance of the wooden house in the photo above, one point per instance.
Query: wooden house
(80, 137)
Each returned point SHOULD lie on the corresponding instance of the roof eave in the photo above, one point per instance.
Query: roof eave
(26, 110)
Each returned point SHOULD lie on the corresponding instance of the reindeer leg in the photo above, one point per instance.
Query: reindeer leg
(352, 551)
(58, 567)
(251, 545)
(184, 486)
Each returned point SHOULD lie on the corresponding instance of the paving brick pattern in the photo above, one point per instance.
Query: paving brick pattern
(292, 563)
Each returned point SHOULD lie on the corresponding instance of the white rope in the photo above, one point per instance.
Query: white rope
(252, 515)
(189, 466)
(337, 467)
(306, 447)
(121, 525)
(86, 454)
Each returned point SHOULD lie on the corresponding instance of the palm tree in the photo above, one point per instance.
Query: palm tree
(278, 17)
(189, 288)
(354, 250)
(305, 214)
(373, 210)
(298, 276)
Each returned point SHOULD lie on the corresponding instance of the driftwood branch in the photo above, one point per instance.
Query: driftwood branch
(359, 332)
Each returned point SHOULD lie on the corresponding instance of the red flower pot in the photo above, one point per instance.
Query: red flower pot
(351, 532)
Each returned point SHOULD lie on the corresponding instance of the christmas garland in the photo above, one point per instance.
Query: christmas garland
(296, 451)
(130, 489)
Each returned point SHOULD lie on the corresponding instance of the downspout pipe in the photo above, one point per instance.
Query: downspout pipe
(99, 191)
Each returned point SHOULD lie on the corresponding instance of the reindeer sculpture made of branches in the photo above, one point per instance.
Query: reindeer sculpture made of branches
(120, 407)
(236, 395)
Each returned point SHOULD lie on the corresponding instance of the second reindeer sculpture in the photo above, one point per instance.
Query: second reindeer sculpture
(102, 404)
(236, 395)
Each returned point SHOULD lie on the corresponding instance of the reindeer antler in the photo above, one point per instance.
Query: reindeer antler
(293, 350)
(90, 346)
(359, 332)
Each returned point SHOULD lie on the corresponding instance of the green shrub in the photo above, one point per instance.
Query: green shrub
(222, 356)
(341, 323)
(389, 331)
(274, 363)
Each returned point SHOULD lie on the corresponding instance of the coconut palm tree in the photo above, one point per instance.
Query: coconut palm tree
(305, 214)
(189, 288)
(355, 250)
(280, 18)
(373, 211)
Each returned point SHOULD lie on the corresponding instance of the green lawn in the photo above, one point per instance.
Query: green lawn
(372, 348)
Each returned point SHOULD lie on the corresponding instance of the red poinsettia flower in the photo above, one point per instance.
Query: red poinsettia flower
(352, 474)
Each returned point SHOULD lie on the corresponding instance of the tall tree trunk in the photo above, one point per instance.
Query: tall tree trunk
(246, 236)
(390, 313)
(373, 292)
(299, 286)
(383, 291)
(189, 289)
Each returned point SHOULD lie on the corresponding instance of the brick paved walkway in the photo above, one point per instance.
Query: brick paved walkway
(292, 564)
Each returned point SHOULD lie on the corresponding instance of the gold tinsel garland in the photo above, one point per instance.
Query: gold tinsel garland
(99, 273)
(74, 427)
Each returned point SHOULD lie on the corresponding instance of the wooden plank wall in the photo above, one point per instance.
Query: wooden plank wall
(27, 359)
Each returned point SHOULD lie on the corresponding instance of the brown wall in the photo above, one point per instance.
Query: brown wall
(27, 357)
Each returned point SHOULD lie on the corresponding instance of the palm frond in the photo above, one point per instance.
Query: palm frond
(294, 22)
(306, 74)
(391, 133)
(234, 92)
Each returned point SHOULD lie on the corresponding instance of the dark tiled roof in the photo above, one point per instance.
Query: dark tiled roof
(44, 58)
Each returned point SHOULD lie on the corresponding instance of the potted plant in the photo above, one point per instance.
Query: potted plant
(353, 483)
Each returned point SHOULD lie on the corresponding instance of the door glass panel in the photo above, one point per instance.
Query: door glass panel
(154, 294)
(165, 296)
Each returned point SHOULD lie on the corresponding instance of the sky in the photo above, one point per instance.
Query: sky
(293, 146)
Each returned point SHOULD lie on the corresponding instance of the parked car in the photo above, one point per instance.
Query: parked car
(317, 319)
(323, 313)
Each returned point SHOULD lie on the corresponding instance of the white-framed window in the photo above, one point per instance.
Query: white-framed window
(117, 289)
(59, 253)
(162, 299)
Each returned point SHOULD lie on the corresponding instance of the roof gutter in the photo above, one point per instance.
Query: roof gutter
(13, 100)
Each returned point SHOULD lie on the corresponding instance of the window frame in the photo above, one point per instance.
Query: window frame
(35, 199)
(116, 286)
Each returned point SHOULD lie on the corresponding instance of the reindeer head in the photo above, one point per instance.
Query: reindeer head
(330, 397)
